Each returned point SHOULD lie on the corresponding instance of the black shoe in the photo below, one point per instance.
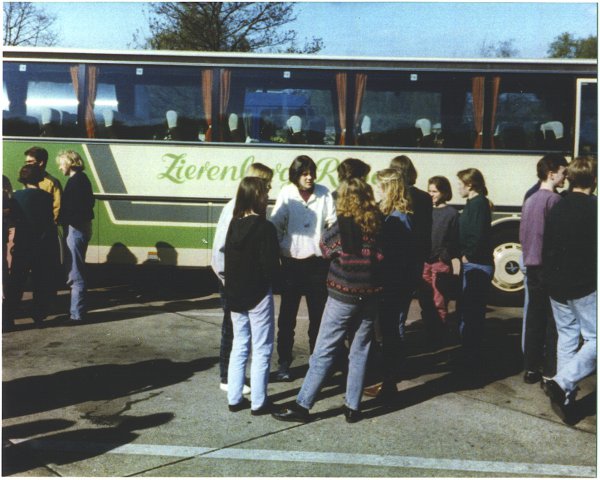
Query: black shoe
(566, 412)
(294, 413)
(531, 377)
(245, 403)
(352, 416)
(267, 407)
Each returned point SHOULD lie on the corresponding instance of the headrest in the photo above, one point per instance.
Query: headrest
(50, 115)
(436, 127)
(233, 122)
(109, 116)
(171, 118)
(365, 126)
(556, 127)
(425, 125)
(295, 123)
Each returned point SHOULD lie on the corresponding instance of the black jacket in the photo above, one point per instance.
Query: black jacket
(251, 260)
(569, 253)
(422, 220)
(77, 202)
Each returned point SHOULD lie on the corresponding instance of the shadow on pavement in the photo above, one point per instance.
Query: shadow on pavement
(75, 445)
(40, 393)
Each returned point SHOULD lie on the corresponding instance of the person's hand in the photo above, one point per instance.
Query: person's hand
(464, 259)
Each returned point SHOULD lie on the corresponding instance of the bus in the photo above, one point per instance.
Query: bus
(166, 136)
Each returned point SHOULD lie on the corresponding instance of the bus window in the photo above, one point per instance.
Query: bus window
(532, 114)
(281, 106)
(39, 100)
(149, 103)
(588, 120)
(420, 110)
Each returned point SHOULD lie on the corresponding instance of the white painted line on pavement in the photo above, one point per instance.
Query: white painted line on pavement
(533, 469)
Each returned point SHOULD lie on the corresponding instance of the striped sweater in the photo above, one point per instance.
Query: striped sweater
(355, 269)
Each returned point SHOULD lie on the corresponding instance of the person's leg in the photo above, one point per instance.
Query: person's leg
(334, 325)
(583, 362)
(316, 296)
(535, 332)
(359, 352)
(262, 325)
(288, 310)
(226, 336)
(43, 285)
(15, 283)
(525, 302)
(476, 283)
(568, 333)
(391, 304)
(240, 351)
(77, 242)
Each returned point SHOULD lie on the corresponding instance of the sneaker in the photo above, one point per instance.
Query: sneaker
(245, 388)
(283, 374)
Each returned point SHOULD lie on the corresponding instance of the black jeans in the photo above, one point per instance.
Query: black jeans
(306, 277)
(226, 336)
(540, 329)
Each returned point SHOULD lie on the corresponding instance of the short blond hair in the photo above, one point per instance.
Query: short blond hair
(261, 171)
(71, 158)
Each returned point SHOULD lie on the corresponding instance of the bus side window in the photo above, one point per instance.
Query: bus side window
(39, 100)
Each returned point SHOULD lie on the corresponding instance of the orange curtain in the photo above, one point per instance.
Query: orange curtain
(74, 69)
(341, 82)
(92, 89)
(224, 93)
(359, 93)
(495, 93)
(478, 91)
(207, 82)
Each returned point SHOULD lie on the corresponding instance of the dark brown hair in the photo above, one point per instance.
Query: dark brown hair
(252, 196)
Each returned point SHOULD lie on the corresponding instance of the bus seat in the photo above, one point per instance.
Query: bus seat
(316, 131)
(19, 125)
(424, 136)
(50, 122)
(553, 135)
(236, 132)
(295, 133)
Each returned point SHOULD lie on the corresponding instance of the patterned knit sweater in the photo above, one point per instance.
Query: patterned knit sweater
(354, 272)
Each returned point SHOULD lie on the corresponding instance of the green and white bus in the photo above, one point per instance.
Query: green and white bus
(167, 136)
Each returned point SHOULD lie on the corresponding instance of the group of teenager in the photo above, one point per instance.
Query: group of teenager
(359, 257)
(42, 222)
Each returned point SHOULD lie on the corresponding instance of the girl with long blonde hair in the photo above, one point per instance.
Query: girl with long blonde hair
(400, 271)
(353, 283)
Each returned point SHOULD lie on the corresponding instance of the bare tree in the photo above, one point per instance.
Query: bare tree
(223, 26)
(503, 49)
(27, 24)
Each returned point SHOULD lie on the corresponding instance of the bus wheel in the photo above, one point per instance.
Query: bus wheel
(507, 284)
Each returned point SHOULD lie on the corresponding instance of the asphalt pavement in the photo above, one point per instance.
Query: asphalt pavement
(135, 392)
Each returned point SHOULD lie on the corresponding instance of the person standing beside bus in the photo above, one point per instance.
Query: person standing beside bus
(444, 248)
(251, 261)
(39, 156)
(35, 248)
(422, 218)
(76, 215)
(302, 212)
(540, 329)
(218, 265)
(475, 231)
(570, 259)
(354, 283)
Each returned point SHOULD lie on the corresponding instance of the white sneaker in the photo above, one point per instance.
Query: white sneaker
(245, 390)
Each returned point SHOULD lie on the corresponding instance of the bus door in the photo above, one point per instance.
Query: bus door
(586, 120)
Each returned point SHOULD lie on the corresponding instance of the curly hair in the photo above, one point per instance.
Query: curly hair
(356, 200)
(395, 192)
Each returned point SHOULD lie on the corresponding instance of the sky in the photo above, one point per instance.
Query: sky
(400, 29)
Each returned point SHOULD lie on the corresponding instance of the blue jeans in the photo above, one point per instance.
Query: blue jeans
(254, 329)
(476, 281)
(576, 317)
(338, 318)
(525, 301)
(77, 243)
